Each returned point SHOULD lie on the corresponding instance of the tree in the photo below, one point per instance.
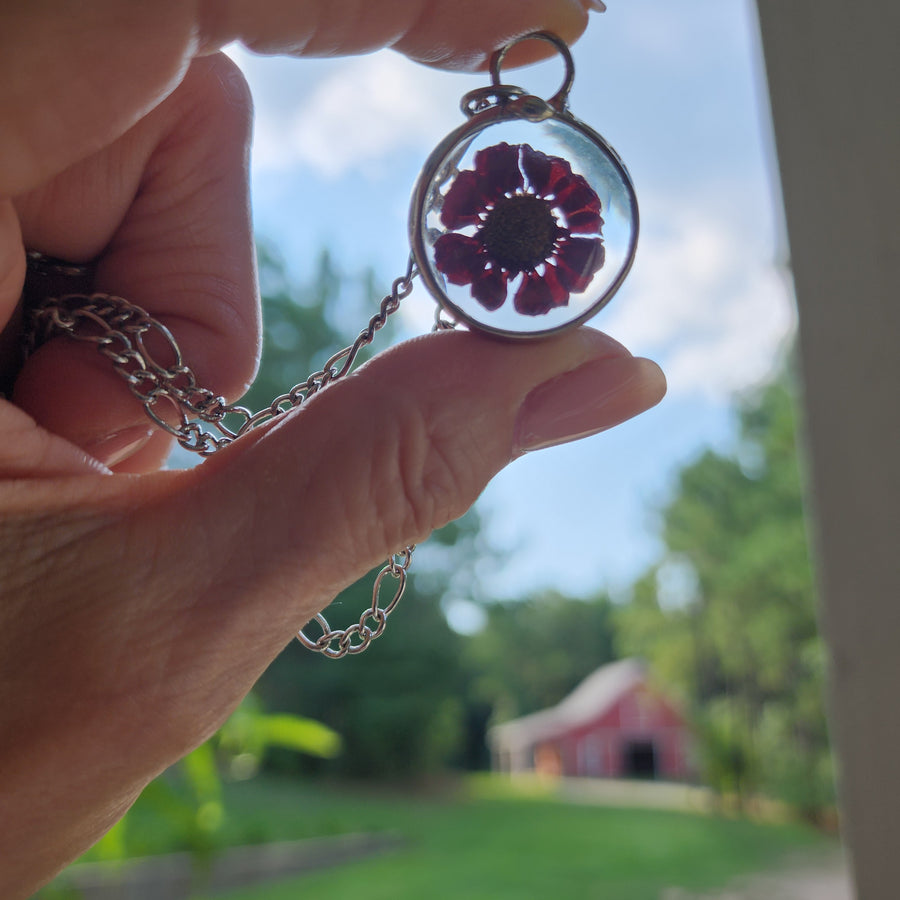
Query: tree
(534, 651)
(396, 706)
(299, 333)
(740, 637)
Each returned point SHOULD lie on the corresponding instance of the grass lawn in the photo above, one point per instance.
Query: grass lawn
(490, 843)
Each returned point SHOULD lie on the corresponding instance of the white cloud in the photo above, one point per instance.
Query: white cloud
(361, 112)
(705, 299)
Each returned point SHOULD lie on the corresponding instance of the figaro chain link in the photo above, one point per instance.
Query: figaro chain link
(145, 354)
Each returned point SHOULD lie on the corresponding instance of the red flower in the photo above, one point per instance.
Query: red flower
(503, 220)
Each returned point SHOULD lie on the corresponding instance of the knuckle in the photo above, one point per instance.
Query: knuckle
(436, 473)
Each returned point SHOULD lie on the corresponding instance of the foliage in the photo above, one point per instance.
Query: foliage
(738, 633)
(422, 698)
(298, 330)
(396, 705)
(534, 651)
(184, 809)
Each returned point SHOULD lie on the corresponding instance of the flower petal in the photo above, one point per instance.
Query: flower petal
(489, 289)
(538, 294)
(559, 294)
(579, 204)
(465, 201)
(544, 172)
(577, 260)
(499, 167)
(460, 257)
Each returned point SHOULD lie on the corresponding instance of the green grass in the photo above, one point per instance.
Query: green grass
(496, 845)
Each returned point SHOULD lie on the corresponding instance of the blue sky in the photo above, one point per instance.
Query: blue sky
(677, 89)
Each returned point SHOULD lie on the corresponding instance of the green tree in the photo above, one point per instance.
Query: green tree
(534, 651)
(299, 322)
(737, 631)
(396, 706)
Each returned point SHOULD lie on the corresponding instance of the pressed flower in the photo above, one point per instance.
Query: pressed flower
(520, 213)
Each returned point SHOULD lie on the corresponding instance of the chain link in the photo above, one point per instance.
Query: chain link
(356, 638)
(145, 354)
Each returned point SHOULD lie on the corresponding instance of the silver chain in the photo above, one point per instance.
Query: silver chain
(199, 419)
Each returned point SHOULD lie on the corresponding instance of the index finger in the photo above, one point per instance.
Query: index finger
(76, 77)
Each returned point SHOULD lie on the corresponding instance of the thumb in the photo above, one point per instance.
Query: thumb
(377, 461)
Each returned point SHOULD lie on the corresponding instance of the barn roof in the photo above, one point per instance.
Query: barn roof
(590, 699)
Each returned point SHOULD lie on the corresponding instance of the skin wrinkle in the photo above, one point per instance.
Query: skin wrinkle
(223, 318)
(416, 22)
(53, 216)
(325, 551)
(228, 579)
(330, 31)
(428, 461)
(404, 468)
(441, 483)
(232, 320)
(134, 159)
(344, 516)
(392, 468)
(46, 543)
(168, 684)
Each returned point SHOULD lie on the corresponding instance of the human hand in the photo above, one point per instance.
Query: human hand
(137, 607)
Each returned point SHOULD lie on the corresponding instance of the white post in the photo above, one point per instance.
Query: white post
(834, 82)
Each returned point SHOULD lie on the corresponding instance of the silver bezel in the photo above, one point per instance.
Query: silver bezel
(521, 109)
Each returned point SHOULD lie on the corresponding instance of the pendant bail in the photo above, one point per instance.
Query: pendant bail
(560, 100)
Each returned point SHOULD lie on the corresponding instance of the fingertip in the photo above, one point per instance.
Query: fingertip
(570, 24)
(73, 392)
(654, 380)
(593, 397)
(465, 36)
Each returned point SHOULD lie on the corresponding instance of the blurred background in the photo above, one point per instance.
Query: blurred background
(644, 598)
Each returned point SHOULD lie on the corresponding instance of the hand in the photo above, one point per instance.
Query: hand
(137, 607)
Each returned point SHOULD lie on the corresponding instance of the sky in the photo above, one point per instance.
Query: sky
(678, 91)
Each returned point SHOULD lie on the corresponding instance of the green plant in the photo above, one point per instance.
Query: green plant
(188, 801)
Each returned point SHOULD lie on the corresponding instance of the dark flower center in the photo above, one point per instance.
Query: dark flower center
(519, 232)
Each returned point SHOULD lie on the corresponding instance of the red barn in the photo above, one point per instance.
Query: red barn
(615, 724)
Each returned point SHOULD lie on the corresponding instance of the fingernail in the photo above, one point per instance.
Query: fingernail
(117, 447)
(595, 396)
(597, 5)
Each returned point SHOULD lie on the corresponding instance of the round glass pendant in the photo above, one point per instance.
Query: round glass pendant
(524, 220)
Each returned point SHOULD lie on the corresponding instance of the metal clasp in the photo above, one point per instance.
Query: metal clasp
(516, 99)
(560, 99)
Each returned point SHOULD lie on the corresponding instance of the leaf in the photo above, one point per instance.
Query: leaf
(296, 733)
(202, 773)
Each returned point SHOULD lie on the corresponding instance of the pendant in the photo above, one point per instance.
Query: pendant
(524, 221)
